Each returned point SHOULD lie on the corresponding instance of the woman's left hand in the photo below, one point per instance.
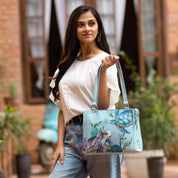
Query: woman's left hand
(108, 61)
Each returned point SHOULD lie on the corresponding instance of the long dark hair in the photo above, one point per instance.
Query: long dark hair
(72, 45)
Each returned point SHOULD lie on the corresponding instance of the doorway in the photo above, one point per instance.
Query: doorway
(129, 43)
(54, 44)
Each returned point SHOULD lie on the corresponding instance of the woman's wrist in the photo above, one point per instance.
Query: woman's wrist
(103, 68)
(60, 144)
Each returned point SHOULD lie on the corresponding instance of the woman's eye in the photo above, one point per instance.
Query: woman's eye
(92, 23)
(79, 25)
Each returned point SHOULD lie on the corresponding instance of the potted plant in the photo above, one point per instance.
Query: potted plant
(155, 103)
(12, 100)
(4, 138)
(154, 100)
(18, 131)
(6, 118)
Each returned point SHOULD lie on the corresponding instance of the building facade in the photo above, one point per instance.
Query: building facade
(32, 34)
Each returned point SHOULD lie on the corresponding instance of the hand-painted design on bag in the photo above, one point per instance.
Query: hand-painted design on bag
(121, 120)
(100, 140)
(103, 140)
(123, 143)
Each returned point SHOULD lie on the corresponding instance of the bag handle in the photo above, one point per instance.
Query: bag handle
(122, 83)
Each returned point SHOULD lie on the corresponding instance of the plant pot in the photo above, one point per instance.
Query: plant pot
(11, 101)
(23, 163)
(136, 164)
(155, 167)
(1, 173)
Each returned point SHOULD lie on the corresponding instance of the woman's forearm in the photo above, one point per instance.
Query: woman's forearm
(104, 91)
(61, 129)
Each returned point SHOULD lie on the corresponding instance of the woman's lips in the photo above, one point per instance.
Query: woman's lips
(87, 35)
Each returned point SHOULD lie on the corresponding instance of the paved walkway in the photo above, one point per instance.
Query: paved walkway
(170, 171)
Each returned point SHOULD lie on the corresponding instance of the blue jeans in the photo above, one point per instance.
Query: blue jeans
(78, 165)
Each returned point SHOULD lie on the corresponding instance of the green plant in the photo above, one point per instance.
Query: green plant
(2, 63)
(5, 124)
(20, 131)
(155, 103)
(4, 134)
(12, 88)
(128, 62)
(1, 86)
(3, 148)
(156, 116)
(1, 145)
(12, 125)
(2, 142)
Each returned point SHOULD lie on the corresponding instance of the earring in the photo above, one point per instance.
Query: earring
(98, 38)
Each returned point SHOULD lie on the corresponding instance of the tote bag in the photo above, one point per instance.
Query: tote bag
(113, 131)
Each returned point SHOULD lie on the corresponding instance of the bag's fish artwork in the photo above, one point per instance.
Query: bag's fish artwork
(100, 142)
(122, 120)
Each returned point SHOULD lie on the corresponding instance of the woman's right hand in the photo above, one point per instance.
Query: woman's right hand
(59, 153)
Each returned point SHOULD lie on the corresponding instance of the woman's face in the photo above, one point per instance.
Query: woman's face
(87, 28)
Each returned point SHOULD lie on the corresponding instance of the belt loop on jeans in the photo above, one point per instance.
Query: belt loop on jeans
(76, 120)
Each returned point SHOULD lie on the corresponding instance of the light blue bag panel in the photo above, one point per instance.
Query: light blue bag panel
(111, 131)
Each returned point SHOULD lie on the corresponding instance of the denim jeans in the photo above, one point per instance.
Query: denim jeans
(78, 165)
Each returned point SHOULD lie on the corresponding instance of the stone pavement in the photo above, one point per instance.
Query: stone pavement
(170, 171)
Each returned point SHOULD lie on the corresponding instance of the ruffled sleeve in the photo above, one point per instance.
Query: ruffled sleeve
(112, 82)
(57, 102)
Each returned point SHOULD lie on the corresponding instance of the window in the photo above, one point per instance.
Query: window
(150, 38)
(71, 5)
(34, 51)
(107, 13)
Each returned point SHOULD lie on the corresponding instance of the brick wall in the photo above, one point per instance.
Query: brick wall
(172, 34)
(172, 25)
(172, 38)
(10, 47)
(10, 53)
(172, 48)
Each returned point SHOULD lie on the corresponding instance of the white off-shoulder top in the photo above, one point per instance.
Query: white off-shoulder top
(77, 86)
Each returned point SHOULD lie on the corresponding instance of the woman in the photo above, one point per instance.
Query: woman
(85, 49)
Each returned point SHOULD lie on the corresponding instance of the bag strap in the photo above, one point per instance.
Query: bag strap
(122, 83)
